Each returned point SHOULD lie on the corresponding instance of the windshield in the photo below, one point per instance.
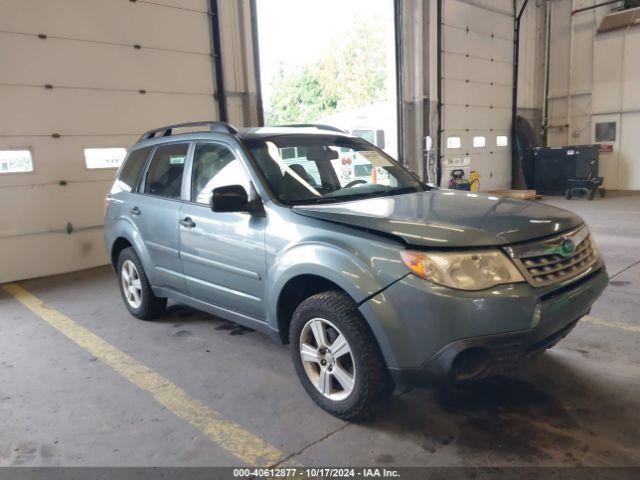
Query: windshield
(325, 168)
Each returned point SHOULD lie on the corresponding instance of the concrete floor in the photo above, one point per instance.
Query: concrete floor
(578, 404)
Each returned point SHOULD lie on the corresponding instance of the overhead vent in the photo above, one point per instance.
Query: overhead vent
(620, 19)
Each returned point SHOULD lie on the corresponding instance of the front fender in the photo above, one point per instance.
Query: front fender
(357, 275)
(329, 261)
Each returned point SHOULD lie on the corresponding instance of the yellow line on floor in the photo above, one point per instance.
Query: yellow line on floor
(228, 435)
(606, 323)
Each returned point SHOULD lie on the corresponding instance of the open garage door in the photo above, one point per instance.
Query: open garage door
(338, 69)
(477, 70)
(76, 92)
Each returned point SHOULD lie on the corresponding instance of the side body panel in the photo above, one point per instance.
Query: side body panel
(223, 258)
(157, 223)
(223, 253)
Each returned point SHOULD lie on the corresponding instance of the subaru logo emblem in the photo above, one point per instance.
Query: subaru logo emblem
(566, 247)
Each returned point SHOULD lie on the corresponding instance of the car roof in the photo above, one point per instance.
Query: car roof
(263, 132)
(217, 130)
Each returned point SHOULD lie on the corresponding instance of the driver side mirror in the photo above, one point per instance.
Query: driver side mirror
(230, 198)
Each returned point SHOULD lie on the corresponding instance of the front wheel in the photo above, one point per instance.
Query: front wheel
(337, 357)
(135, 289)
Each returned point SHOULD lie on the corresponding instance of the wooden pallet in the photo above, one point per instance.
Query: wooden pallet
(521, 194)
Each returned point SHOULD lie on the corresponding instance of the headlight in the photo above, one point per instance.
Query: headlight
(474, 270)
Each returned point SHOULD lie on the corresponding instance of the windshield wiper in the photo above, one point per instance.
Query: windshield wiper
(402, 190)
(348, 198)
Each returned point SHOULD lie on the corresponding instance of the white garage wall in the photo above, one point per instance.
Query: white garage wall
(581, 66)
(598, 85)
(89, 59)
(616, 73)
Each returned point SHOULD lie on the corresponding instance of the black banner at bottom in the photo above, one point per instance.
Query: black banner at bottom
(392, 473)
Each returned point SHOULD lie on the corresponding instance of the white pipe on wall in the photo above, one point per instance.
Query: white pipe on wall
(571, 24)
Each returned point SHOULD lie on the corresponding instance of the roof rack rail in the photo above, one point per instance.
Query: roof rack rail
(214, 126)
(319, 126)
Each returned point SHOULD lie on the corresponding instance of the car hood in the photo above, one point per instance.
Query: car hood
(448, 218)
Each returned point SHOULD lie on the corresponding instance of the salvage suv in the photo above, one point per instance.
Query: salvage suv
(374, 282)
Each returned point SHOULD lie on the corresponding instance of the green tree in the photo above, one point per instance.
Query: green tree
(351, 72)
(298, 98)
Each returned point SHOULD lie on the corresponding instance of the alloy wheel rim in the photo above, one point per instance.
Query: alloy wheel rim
(327, 359)
(131, 285)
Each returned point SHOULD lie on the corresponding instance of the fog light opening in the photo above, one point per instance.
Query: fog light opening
(469, 363)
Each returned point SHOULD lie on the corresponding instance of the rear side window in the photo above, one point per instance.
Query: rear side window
(130, 172)
(164, 177)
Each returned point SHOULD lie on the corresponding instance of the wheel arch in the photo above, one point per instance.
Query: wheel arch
(125, 234)
(294, 292)
(118, 246)
(312, 268)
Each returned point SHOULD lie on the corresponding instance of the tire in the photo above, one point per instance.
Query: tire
(361, 359)
(602, 192)
(567, 194)
(144, 304)
(592, 194)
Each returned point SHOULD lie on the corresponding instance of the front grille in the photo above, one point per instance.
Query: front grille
(546, 269)
(551, 261)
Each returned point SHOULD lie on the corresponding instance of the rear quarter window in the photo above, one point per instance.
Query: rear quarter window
(131, 170)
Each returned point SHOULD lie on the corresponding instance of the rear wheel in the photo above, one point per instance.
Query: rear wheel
(567, 194)
(135, 289)
(336, 356)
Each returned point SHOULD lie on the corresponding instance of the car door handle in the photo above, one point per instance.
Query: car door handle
(187, 222)
(135, 211)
